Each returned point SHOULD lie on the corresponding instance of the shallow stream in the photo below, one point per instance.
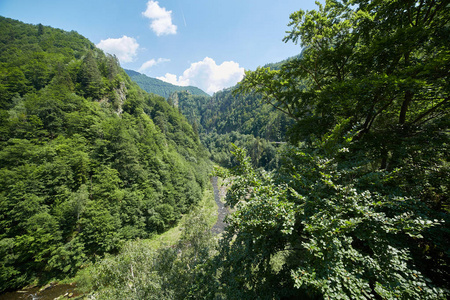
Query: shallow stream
(48, 294)
(222, 209)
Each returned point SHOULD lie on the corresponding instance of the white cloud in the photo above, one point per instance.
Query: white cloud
(172, 78)
(152, 62)
(124, 48)
(208, 76)
(161, 19)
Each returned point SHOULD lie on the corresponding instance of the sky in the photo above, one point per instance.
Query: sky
(204, 43)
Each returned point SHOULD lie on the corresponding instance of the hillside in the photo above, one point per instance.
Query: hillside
(159, 87)
(88, 159)
(244, 120)
(227, 111)
(229, 117)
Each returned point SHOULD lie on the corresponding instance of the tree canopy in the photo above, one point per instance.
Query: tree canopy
(382, 65)
(87, 159)
(359, 208)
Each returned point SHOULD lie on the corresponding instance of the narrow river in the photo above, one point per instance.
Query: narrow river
(222, 209)
(50, 293)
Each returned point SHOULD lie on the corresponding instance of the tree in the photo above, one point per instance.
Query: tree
(316, 230)
(170, 272)
(381, 64)
(99, 229)
(90, 77)
(12, 82)
(37, 70)
(40, 29)
(370, 100)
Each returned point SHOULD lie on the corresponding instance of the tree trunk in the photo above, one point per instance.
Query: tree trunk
(404, 109)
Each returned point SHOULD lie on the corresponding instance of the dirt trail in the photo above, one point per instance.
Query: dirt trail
(222, 209)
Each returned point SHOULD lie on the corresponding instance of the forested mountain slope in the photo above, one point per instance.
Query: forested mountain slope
(87, 158)
(227, 117)
(159, 87)
(231, 117)
(227, 111)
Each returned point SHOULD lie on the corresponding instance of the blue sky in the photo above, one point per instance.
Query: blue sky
(205, 43)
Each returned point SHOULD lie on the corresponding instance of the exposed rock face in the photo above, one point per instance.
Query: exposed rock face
(122, 94)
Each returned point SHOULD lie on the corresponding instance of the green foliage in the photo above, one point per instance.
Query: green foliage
(365, 195)
(371, 67)
(89, 78)
(226, 111)
(228, 118)
(263, 153)
(355, 208)
(141, 272)
(318, 229)
(84, 167)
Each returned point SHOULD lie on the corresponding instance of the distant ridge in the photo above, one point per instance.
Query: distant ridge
(159, 87)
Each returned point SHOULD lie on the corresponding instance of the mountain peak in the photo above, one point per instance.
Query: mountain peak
(159, 87)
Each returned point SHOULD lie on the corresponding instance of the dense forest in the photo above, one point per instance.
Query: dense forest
(159, 87)
(359, 208)
(353, 205)
(227, 118)
(88, 160)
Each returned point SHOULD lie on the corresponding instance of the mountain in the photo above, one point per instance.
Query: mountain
(227, 111)
(228, 118)
(88, 159)
(159, 87)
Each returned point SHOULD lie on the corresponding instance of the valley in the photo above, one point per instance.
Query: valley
(322, 176)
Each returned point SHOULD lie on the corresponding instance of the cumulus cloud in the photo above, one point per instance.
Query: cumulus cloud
(152, 62)
(125, 48)
(208, 76)
(173, 79)
(161, 19)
